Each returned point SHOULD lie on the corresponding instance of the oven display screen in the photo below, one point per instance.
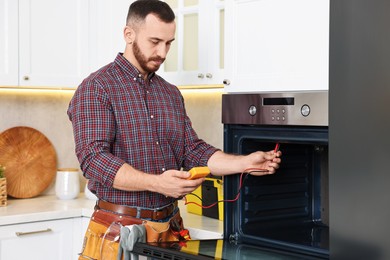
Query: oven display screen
(285, 101)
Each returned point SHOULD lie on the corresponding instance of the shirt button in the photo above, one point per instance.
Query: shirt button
(157, 143)
(151, 116)
(147, 91)
(135, 79)
(163, 169)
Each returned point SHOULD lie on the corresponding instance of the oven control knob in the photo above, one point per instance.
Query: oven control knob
(252, 110)
(305, 110)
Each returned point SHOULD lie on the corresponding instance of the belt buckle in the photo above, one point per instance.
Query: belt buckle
(160, 210)
(138, 213)
(156, 213)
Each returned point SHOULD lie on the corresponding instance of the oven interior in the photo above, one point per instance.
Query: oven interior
(288, 209)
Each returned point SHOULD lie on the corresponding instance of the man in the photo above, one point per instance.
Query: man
(133, 137)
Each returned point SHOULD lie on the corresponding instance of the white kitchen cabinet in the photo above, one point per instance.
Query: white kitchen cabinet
(56, 43)
(53, 42)
(8, 43)
(44, 43)
(44, 240)
(276, 45)
(84, 225)
(106, 36)
(196, 56)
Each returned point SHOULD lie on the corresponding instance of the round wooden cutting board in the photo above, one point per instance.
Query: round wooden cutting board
(30, 161)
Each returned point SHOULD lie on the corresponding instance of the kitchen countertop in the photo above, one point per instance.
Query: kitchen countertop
(44, 208)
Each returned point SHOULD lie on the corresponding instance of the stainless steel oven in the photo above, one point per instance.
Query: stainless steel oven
(279, 216)
(287, 210)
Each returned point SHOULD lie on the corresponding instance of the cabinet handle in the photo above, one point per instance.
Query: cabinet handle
(226, 82)
(32, 232)
(26, 78)
(200, 75)
(209, 75)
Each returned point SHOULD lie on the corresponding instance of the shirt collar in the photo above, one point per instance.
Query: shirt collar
(130, 68)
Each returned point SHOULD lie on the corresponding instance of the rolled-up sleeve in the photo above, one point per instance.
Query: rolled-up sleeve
(94, 131)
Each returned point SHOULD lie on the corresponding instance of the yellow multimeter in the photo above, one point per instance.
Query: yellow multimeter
(199, 172)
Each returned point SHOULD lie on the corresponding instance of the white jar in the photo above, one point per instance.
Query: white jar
(67, 183)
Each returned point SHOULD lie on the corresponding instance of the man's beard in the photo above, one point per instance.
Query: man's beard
(143, 61)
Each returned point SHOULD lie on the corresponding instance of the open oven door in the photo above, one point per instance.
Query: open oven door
(286, 210)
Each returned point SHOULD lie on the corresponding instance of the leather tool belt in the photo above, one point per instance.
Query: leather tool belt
(102, 237)
(153, 214)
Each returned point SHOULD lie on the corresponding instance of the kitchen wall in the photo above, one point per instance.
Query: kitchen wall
(45, 110)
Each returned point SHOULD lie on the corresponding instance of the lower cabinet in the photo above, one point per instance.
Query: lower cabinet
(44, 240)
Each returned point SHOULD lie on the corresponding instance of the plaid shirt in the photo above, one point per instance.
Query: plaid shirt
(118, 118)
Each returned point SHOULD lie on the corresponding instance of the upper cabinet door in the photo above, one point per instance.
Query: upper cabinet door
(8, 43)
(276, 45)
(53, 42)
(196, 55)
(106, 37)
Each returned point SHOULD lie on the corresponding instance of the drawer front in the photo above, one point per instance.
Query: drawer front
(38, 240)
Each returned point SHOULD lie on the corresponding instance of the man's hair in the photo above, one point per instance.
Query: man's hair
(141, 8)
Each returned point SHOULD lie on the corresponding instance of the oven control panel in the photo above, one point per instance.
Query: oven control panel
(294, 108)
(280, 114)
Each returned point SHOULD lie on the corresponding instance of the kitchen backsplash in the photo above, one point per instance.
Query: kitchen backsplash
(45, 110)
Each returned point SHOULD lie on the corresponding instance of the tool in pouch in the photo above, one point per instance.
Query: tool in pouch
(181, 233)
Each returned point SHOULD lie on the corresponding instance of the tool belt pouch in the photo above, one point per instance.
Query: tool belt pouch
(171, 230)
(101, 240)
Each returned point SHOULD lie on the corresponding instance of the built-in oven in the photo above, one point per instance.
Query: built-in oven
(289, 209)
(280, 216)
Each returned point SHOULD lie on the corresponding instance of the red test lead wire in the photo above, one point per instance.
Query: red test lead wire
(215, 203)
(247, 171)
(276, 147)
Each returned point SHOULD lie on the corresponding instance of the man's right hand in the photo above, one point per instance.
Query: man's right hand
(174, 183)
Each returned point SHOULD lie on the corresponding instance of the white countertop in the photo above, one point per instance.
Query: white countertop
(43, 208)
